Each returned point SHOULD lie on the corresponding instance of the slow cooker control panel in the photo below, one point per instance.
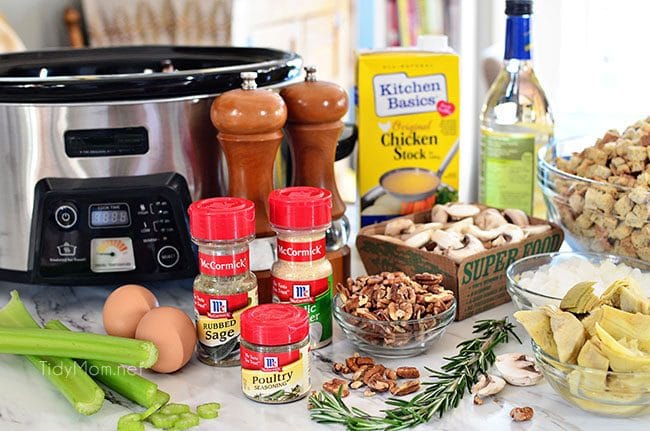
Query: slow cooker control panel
(138, 232)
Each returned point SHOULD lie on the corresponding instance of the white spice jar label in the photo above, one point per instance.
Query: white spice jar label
(313, 295)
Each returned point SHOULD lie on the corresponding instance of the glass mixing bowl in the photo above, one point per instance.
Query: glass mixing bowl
(609, 393)
(595, 215)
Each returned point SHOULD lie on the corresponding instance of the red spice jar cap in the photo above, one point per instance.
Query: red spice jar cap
(300, 208)
(274, 324)
(222, 219)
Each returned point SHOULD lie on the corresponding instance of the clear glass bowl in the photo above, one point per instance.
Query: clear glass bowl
(393, 339)
(608, 393)
(589, 211)
(526, 299)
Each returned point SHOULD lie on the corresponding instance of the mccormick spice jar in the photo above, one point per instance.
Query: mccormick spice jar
(225, 287)
(302, 275)
(275, 363)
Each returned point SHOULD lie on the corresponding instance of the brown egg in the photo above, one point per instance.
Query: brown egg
(173, 333)
(125, 307)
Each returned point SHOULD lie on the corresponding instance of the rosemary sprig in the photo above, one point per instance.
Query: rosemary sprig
(444, 392)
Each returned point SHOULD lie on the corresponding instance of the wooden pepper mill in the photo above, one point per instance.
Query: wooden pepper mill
(315, 109)
(250, 123)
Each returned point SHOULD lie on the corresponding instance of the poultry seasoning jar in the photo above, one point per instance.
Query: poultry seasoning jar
(225, 287)
(275, 363)
(302, 275)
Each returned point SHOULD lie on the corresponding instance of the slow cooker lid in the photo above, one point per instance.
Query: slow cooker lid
(136, 73)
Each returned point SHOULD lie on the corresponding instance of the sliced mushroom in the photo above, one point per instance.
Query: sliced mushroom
(488, 384)
(398, 226)
(535, 229)
(439, 214)
(500, 240)
(460, 211)
(447, 240)
(489, 219)
(419, 239)
(512, 233)
(460, 226)
(472, 246)
(483, 235)
(427, 226)
(518, 369)
(516, 216)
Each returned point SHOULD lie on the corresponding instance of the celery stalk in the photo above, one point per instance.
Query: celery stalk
(124, 382)
(78, 345)
(65, 374)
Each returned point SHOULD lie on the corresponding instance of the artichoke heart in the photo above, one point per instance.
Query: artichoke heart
(590, 356)
(621, 324)
(623, 355)
(589, 322)
(626, 295)
(580, 298)
(538, 325)
(568, 333)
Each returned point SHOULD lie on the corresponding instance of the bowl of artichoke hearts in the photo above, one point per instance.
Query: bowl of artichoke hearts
(595, 351)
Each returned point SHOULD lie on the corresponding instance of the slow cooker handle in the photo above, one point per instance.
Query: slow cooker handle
(347, 140)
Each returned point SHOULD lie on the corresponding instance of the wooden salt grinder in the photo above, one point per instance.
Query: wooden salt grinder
(315, 109)
(250, 124)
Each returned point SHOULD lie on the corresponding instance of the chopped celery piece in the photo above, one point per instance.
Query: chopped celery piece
(160, 400)
(116, 377)
(187, 420)
(78, 345)
(65, 374)
(208, 410)
(130, 422)
(175, 409)
(163, 421)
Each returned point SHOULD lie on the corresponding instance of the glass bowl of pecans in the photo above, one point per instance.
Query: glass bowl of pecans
(394, 315)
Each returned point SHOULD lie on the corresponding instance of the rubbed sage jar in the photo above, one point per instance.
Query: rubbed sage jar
(222, 228)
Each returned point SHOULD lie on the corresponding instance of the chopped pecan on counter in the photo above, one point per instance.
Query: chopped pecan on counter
(521, 414)
(374, 377)
(335, 385)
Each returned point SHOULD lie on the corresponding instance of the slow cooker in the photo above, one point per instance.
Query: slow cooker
(101, 152)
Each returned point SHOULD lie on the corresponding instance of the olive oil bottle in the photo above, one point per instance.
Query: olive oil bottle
(515, 122)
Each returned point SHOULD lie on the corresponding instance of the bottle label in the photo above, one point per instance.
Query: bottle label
(507, 171)
(224, 265)
(218, 316)
(306, 251)
(313, 295)
(275, 377)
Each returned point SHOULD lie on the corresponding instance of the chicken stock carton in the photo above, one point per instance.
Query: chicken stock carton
(408, 117)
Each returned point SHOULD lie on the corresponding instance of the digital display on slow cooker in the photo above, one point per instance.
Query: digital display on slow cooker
(109, 215)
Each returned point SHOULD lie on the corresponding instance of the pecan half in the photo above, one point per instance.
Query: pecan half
(335, 385)
(521, 414)
(407, 372)
(406, 388)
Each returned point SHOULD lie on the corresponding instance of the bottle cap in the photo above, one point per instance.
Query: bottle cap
(274, 324)
(300, 208)
(519, 7)
(433, 42)
(222, 219)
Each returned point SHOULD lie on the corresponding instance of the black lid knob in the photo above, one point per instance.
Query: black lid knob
(519, 7)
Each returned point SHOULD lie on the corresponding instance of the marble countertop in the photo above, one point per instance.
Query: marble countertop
(28, 402)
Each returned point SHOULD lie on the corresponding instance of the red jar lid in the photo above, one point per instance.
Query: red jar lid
(300, 207)
(274, 324)
(222, 219)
